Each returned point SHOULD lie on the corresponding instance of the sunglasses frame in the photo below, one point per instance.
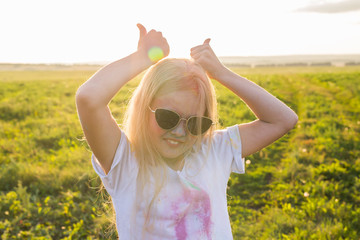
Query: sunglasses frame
(180, 118)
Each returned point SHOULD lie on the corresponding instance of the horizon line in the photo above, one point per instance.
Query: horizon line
(102, 62)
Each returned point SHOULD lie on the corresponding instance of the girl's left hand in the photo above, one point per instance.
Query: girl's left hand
(205, 56)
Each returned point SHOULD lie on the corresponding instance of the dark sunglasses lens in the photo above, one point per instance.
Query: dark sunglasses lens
(194, 127)
(166, 119)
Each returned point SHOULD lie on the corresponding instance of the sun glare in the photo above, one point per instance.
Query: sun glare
(155, 54)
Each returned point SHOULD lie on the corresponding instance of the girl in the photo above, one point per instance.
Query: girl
(167, 170)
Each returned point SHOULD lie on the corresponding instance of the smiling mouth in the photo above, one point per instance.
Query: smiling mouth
(173, 143)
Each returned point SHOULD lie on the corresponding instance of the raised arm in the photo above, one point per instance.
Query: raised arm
(274, 117)
(92, 98)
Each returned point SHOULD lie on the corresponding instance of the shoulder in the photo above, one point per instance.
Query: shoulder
(123, 167)
(225, 147)
(226, 136)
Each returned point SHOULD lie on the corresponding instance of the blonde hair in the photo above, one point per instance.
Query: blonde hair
(167, 76)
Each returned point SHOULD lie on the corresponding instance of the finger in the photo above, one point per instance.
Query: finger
(152, 31)
(142, 30)
(202, 46)
(197, 48)
(207, 41)
(195, 56)
(194, 52)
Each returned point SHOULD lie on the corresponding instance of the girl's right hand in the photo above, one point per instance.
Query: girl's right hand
(153, 44)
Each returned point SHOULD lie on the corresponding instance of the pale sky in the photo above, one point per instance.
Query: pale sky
(78, 31)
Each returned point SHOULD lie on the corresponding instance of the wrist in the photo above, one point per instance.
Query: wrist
(221, 73)
(142, 59)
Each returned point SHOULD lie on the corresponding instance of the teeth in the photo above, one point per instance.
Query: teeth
(172, 142)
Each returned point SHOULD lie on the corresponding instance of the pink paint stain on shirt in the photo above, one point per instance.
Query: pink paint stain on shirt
(180, 230)
(192, 209)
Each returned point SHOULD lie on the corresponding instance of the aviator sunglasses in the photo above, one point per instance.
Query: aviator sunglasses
(167, 120)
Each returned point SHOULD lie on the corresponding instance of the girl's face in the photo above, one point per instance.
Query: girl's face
(173, 144)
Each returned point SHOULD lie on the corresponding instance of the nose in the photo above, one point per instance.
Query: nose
(179, 130)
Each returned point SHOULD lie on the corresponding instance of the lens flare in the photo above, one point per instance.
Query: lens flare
(155, 54)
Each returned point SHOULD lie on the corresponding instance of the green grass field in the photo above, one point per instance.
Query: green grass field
(304, 186)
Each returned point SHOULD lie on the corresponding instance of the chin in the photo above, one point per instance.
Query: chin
(172, 156)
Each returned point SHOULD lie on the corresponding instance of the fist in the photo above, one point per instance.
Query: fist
(205, 56)
(153, 44)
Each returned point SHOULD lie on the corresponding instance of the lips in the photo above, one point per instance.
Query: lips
(173, 142)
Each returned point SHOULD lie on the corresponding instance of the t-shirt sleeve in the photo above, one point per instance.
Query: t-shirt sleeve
(123, 169)
(227, 144)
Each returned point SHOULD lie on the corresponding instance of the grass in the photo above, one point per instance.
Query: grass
(304, 186)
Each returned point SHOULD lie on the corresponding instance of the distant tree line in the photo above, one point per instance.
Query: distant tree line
(293, 64)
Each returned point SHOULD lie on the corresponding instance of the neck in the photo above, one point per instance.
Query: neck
(176, 164)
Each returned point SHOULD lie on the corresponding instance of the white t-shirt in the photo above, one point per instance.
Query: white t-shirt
(192, 204)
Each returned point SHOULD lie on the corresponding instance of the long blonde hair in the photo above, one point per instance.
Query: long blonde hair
(167, 76)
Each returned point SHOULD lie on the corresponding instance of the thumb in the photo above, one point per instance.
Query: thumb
(142, 30)
(207, 41)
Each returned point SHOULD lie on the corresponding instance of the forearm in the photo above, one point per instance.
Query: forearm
(265, 106)
(105, 83)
